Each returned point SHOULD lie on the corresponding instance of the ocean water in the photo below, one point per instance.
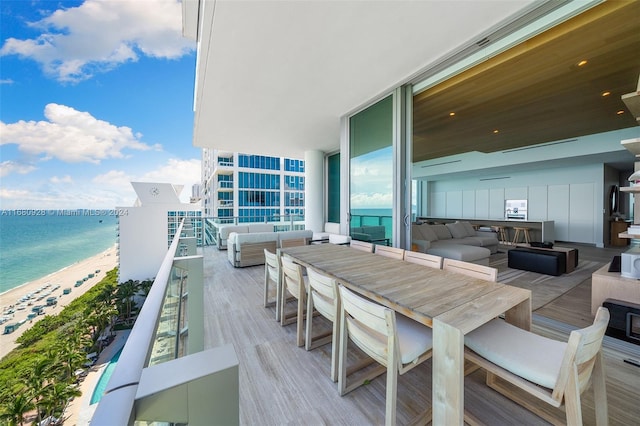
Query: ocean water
(35, 243)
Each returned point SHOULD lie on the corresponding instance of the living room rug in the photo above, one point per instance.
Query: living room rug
(544, 288)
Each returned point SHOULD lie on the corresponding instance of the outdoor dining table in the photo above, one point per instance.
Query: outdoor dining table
(451, 303)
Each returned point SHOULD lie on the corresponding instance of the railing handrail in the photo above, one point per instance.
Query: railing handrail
(135, 354)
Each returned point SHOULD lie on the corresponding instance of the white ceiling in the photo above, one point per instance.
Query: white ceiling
(274, 77)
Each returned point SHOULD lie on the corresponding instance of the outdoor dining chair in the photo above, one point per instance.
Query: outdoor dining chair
(293, 283)
(471, 269)
(552, 371)
(272, 276)
(424, 259)
(395, 341)
(323, 297)
(362, 245)
(391, 252)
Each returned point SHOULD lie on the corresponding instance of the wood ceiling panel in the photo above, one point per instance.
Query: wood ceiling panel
(537, 94)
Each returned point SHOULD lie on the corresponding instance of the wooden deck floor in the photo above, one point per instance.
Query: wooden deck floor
(282, 384)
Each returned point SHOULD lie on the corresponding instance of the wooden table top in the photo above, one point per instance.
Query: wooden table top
(416, 291)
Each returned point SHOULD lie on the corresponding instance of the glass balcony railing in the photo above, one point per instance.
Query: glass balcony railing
(170, 331)
(279, 222)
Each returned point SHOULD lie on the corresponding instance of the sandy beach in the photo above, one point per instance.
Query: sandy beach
(65, 278)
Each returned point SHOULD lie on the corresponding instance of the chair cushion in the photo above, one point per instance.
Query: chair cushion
(414, 338)
(528, 355)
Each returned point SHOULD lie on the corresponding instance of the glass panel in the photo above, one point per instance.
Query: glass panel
(371, 180)
(333, 188)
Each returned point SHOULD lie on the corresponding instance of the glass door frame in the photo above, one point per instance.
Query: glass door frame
(402, 109)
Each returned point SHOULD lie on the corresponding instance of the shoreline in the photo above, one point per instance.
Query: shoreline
(65, 278)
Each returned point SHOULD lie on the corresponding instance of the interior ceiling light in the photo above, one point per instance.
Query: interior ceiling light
(582, 63)
(606, 93)
(451, 114)
(496, 131)
(620, 112)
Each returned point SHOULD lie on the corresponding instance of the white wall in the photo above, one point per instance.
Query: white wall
(143, 239)
(571, 197)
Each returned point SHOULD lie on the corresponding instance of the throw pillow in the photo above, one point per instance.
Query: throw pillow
(469, 229)
(457, 230)
(427, 233)
(441, 231)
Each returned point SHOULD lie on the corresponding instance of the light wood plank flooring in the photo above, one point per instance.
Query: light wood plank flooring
(282, 384)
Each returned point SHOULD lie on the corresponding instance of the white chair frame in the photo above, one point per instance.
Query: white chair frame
(324, 298)
(293, 283)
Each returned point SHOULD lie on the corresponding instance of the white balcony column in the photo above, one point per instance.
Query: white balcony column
(314, 190)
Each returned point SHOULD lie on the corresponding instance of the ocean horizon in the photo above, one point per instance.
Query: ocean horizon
(36, 243)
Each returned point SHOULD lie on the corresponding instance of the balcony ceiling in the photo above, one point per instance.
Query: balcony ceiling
(274, 77)
(537, 93)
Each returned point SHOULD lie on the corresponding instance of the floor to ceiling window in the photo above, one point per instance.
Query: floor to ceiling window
(371, 172)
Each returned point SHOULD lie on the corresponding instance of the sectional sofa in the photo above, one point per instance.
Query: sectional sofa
(456, 240)
(247, 249)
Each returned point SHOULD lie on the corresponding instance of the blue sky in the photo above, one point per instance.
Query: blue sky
(93, 95)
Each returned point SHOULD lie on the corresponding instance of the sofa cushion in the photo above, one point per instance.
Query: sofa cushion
(457, 230)
(441, 231)
(479, 255)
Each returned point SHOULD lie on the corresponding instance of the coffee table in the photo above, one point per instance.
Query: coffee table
(571, 253)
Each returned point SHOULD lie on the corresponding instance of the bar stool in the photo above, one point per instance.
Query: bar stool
(502, 233)
(521, 230)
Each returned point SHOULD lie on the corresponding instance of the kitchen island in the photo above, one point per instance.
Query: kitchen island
(539, 230)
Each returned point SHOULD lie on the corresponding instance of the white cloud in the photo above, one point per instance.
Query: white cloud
(98, 35)
(371, 200)
(9, 167)
(179, 172)
(72, 136)
(63, 179)
(105, 191)
(6, 81)
(372, 180)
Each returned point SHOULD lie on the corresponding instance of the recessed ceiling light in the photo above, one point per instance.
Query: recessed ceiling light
(606, 93)
(496, 131)
(582, 63)
(451, 114)
(620, 112)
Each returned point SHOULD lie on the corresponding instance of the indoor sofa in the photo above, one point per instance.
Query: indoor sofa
(247, 249)
(456, 240)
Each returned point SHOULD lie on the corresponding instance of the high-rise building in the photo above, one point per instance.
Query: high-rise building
(146, 229)
(251, 188)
